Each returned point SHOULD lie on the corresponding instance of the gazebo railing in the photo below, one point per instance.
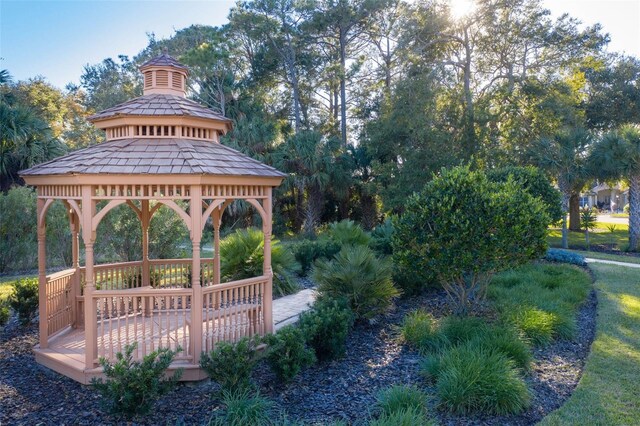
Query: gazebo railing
(60, 300)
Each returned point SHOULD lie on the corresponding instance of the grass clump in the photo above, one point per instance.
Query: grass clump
(287, 353)
(231, 364)
(243, 408)
(132, 387)
(419, 329)
(405, 417)
(399, 398)
(471, 379)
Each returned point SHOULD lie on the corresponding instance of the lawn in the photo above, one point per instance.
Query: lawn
(609, 391)
(608, 256)
(618, 239)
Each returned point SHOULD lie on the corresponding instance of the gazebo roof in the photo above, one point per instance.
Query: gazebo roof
(163, 60)
(143, 156)
(159, 104)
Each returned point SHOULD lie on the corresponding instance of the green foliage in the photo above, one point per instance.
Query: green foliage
(287, 353)
(471, 379)
(533, 181)
(381, 237)
(456, 330)
(307, 251)
(564, 256)
(505, 340)
(358, 276)
(588, 220)
(399, 398)
(541, 300)
(406, 417)
(134, 279)
(243, 408)
(24, 299)
(242, 254)
(347, 232)
(231, 364)
(326, 327)
(132, 387)
(4, 312)
(419, 330)
(462, 228)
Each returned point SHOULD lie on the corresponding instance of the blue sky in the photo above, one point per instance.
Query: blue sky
(56, 39)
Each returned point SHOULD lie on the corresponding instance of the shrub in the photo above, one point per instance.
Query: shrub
(287, 353)
(407, 417)
(4, 312)
(358, 276)
(242, 254)
(462, 228)
(419, 330)
(472, 379)
(231, 364)
(401, 397)
(24, 299)
(347, 232)
(307, 251)
(563, 256)
(132, 387)
(244, 408)
(326, 327)
(536, 183)
(381, 238)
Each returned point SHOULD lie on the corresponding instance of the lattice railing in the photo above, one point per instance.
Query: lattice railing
(59, 300)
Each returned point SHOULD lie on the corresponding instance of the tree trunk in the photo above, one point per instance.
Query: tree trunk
(634, 212)
(470, 136)
(343, 88)
(565, 209)
(574, 212)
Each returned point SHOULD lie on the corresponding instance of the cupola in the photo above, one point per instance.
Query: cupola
(164, 75)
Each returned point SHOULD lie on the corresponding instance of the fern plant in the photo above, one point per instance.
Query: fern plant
(242, 254)
(358, 276)
(347, 232)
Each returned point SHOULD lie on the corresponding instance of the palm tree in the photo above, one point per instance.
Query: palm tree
(617, 156)
(564, 156)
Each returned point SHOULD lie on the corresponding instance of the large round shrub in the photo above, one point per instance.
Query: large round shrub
(462, 228)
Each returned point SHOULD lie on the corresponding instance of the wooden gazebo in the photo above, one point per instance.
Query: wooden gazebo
(162, 149)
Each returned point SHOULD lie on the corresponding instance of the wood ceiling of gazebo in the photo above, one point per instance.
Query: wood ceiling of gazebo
(156, 156)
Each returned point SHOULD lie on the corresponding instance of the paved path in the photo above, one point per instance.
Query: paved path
(610, 262)
(605, 218)
(287, 309)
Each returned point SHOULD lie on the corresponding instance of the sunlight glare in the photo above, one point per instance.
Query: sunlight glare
(461, 8)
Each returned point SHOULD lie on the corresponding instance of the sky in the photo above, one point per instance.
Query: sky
(55, 39)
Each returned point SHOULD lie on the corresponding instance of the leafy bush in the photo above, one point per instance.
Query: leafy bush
(381, 238)
(242, 255)
(132, 387)
(358, 276)
(419, 330)
(406, 417)
(307, 251)
(243, 408)
(287, 353)
(462, 228)
(347, 232)
(4, 312)
(563, 256)
(326, 327)
(24, 299)
(401, 397)
(536, 183)
(231, 364)
(471, 379)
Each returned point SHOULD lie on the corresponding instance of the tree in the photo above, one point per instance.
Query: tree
(617, 156)
(110, 83)
(464, 228)
(564, 156)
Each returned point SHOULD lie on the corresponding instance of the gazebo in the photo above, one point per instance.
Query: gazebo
(161, 149)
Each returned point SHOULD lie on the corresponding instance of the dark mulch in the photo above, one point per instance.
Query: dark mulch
(343, 389)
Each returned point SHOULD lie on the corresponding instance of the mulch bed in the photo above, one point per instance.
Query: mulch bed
(339, 390)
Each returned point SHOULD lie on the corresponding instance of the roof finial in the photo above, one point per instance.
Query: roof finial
(165, 51)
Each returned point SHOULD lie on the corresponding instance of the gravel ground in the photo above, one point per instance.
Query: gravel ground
(343, 389)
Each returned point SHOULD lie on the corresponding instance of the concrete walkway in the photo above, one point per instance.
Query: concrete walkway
(611, 262)
(287, 309)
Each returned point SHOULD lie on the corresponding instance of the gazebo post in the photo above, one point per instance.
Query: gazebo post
(215, 217)
(90, 311)
(75, 262)
(266, 267)
(145, 219)
(42, 274)
(195, 210)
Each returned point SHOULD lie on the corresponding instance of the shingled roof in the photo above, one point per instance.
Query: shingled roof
(159, 105)
(155, 156)
(163, 60)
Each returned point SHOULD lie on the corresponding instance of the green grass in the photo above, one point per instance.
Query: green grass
(608, 256)
(609, 390)
(601, 235)
(401, 397)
